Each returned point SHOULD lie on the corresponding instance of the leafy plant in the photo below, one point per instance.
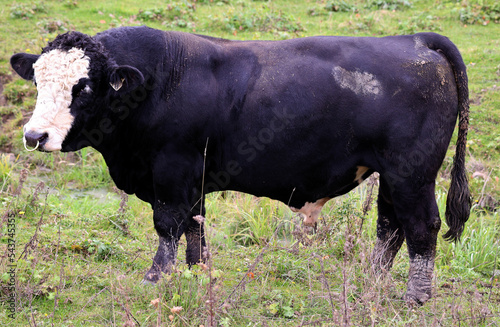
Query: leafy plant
(389, 4)
(480, 12)
(25, 11)
(212, 1)
(98, 247)
(52, 26)
(71, 4)
(6, 167)
(263, 19)
(17, 90)
(151, 14)
(419, 23)
(176, 14)
(341, 6)
(279, 305)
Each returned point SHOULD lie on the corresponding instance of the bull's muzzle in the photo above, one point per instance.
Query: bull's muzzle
(35, 140)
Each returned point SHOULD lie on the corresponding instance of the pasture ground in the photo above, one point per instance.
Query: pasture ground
(81, 247)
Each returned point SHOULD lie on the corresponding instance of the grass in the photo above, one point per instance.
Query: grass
(82, 247)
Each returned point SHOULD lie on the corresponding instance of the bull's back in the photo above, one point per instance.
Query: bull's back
(323, 105)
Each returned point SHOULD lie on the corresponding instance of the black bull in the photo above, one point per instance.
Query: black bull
(300, 121)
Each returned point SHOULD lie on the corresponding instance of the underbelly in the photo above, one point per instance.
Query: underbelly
(310, 211)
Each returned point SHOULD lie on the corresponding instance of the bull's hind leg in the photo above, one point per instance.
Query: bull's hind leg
(390, 234)
(416, 209)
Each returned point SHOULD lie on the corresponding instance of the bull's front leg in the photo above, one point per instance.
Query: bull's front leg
(170, 223)
(195, 236)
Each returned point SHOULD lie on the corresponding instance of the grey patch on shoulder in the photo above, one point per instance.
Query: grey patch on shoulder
(361, 83)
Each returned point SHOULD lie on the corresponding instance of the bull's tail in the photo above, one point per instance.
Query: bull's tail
(458, 202)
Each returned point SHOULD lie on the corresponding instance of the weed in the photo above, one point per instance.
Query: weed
(340, 6)
(263, 19)
(212, 1)
(17, 90)
(176, 14)
(52, 26)
(7, 164)
(388, 5)
(480, 12)
(71, 4)
(151, 14)
(94, 246)
(419, 23)
(25, 11)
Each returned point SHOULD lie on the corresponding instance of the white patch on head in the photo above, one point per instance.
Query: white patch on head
(56, 72)
(310, 211)
(361, 83)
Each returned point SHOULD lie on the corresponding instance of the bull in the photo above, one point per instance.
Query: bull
(177, 116)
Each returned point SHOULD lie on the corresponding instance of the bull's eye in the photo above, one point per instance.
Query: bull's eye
(81, 88)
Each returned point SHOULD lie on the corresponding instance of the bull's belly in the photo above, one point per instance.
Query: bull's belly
(300, 194)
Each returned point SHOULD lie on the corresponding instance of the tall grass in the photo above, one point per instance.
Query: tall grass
(79, 267)
(6, 168)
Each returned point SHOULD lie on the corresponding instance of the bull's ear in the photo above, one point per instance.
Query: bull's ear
(125, 78)
(23, 64)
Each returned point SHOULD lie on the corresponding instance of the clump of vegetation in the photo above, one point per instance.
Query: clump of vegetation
(52, 26)
(349, 6)
(212, 1)
(262, 19)
(17, 91)
(480, 12)
(341, 6)
(25, 11)
(71, 4)
(419, 23)
(388, 4)
(6, 167)
(372, 23)
(176, 14)
(95, 246)
(154, 14)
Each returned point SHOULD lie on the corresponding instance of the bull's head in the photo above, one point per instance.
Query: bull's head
(74, 76)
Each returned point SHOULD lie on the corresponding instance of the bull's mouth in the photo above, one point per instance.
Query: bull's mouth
(35, 141)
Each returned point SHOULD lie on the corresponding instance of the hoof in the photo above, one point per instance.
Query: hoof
(146, 282)
(416, 299)
(151, 278)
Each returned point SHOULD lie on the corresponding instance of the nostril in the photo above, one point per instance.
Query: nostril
(43, 138)
(35, 139)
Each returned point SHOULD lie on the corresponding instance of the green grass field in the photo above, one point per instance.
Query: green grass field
(80, 248)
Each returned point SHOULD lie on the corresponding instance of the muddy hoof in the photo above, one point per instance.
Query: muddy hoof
(151, 278)
(416, 299)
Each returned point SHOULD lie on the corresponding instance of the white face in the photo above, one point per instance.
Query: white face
(56, 72)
